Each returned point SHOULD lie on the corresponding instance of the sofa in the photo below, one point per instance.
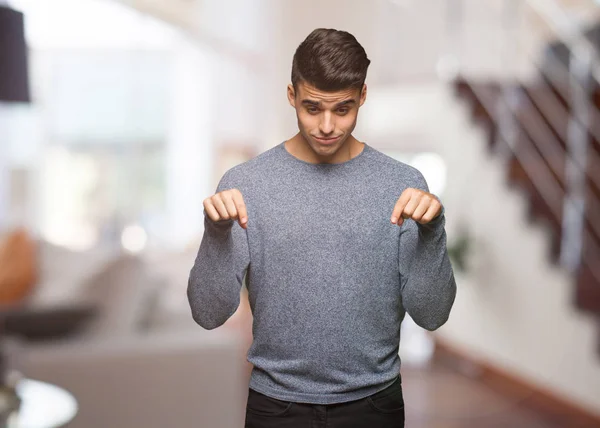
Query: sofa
(141, 361)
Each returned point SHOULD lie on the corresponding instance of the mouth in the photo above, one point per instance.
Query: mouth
(327, 140)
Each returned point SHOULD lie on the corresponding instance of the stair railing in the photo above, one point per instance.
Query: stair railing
(582, 73)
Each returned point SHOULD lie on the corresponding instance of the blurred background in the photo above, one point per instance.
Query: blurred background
(118, 118)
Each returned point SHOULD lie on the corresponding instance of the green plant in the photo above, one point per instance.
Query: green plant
(458, 251)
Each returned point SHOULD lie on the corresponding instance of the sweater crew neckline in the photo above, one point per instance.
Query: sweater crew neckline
(356, 159)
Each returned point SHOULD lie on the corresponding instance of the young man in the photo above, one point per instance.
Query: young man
(337, 241)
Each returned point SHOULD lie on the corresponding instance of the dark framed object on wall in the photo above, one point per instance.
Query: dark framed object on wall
(14, 76)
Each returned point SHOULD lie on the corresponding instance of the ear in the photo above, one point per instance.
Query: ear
(291, 94)
(363, 94)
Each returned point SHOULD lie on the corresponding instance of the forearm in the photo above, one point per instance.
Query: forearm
(427, 279)
(216, 278)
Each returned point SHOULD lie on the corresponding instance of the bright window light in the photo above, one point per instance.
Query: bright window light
(134, 238)
(90, 24)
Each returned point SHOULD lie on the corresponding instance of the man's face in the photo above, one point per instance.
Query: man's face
(328, 115)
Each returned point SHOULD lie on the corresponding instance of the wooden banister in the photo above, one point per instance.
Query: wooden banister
(537, 166)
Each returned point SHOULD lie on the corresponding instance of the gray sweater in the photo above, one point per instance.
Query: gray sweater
(329, 277)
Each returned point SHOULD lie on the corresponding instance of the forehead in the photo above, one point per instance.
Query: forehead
(306, 91)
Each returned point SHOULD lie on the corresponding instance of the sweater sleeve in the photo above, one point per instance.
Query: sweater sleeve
(427, 280)
(216, 278)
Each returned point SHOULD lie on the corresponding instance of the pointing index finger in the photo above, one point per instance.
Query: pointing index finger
(399, 207)
(240, 205)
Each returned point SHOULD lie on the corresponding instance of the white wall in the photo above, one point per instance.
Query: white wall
(516, 310)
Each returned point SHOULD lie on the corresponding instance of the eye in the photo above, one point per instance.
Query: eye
(312, 109)
(343, 110)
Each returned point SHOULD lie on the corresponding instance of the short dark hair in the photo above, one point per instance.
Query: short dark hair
(330, 60)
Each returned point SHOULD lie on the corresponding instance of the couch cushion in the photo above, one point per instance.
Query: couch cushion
(62, 273)
(126, 293)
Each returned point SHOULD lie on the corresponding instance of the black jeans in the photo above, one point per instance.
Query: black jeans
(384, 409)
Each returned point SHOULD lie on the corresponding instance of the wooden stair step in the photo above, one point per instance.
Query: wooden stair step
(587, 291)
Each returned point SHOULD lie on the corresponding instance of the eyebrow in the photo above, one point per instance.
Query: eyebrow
(318, 103)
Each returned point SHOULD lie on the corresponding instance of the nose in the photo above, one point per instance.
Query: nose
(327, 125)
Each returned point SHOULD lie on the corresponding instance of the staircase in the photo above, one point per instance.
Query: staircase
(532, 126)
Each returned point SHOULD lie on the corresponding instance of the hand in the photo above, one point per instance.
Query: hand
(227, 205)
(421, 206)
